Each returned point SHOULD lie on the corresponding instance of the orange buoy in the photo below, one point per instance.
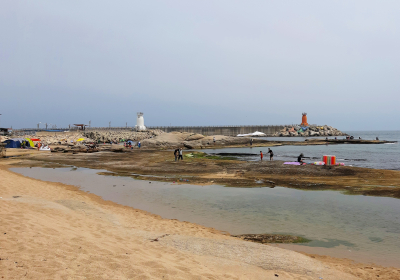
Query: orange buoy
(304, 120)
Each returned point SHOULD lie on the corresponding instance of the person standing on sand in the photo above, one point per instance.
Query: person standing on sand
(261, 155)
(180, 154)
(214, 140)
(271, 154)
(251, 141)
(176, 152)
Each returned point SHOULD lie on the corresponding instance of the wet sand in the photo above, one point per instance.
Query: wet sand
(160, 165)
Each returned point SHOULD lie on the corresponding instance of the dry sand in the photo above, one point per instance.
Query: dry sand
(55, 231)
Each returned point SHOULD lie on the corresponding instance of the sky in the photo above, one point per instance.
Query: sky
(185, 63)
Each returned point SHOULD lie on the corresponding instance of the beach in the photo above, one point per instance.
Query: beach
(52, 230)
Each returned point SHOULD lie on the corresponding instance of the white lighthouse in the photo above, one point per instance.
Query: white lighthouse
(140, 122)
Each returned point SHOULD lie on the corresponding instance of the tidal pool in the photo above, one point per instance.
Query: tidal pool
(362, 228)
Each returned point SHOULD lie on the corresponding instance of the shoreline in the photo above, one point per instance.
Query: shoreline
(152, 222)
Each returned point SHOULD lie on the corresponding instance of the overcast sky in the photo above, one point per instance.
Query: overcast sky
(200, 62)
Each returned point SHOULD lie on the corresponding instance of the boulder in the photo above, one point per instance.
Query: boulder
(117, 149)
(285, 134)
(194, 137)
(188, 145)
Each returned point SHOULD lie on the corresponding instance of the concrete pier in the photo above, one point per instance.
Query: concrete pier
(222, 130)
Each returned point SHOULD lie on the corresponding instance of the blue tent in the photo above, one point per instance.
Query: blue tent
(14, 142)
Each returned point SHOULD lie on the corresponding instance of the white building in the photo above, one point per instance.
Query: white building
(140, 122)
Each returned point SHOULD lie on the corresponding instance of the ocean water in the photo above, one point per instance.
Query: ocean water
(380, 156)
(362, 228)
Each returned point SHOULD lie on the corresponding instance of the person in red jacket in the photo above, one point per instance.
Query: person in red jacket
(261, 155)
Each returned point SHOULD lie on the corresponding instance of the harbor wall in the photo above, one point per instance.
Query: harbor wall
(222, 130)
(204, 130)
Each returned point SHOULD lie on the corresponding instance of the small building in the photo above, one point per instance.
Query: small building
(4, 131)
(81, 126)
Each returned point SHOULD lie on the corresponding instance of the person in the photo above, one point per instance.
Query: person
(299, 159)
(176, 152)
(377, 138)
(271, 154)
(139, 144)
(180, 154)
(251, 141)
(359, 138)
(38, 146)
(214, 140)
(261, 155)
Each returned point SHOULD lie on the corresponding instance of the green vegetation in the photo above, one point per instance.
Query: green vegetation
(272, 238)
(207, 156)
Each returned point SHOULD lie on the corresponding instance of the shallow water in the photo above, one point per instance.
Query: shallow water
(358, 227)
(380, 156)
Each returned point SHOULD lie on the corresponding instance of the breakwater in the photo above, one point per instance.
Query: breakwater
(204, 130)
(222, 130)
(229, 130)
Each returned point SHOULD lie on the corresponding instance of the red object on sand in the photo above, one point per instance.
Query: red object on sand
(329, 160)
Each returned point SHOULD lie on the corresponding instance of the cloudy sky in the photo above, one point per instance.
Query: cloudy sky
(200, 62)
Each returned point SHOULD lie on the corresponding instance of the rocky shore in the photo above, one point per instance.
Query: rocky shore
(312, 130)
(71, 138)
(118, 136)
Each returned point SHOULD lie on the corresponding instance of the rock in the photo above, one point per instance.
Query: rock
(117, 149)
(313, 133)
(194, 137)
(187, 145)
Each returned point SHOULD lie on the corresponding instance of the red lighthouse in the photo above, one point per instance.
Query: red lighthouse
(304, 120)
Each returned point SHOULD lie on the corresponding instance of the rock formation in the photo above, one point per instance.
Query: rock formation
(312, 130)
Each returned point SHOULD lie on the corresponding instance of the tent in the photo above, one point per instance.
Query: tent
(14, 142)
(30, 142)
(257, 133)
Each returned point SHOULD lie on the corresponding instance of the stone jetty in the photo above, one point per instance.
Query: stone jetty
(312, 130)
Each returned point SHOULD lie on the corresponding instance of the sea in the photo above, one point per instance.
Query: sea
(379, 156)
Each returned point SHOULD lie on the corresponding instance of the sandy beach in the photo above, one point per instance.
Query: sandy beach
(56, 231)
